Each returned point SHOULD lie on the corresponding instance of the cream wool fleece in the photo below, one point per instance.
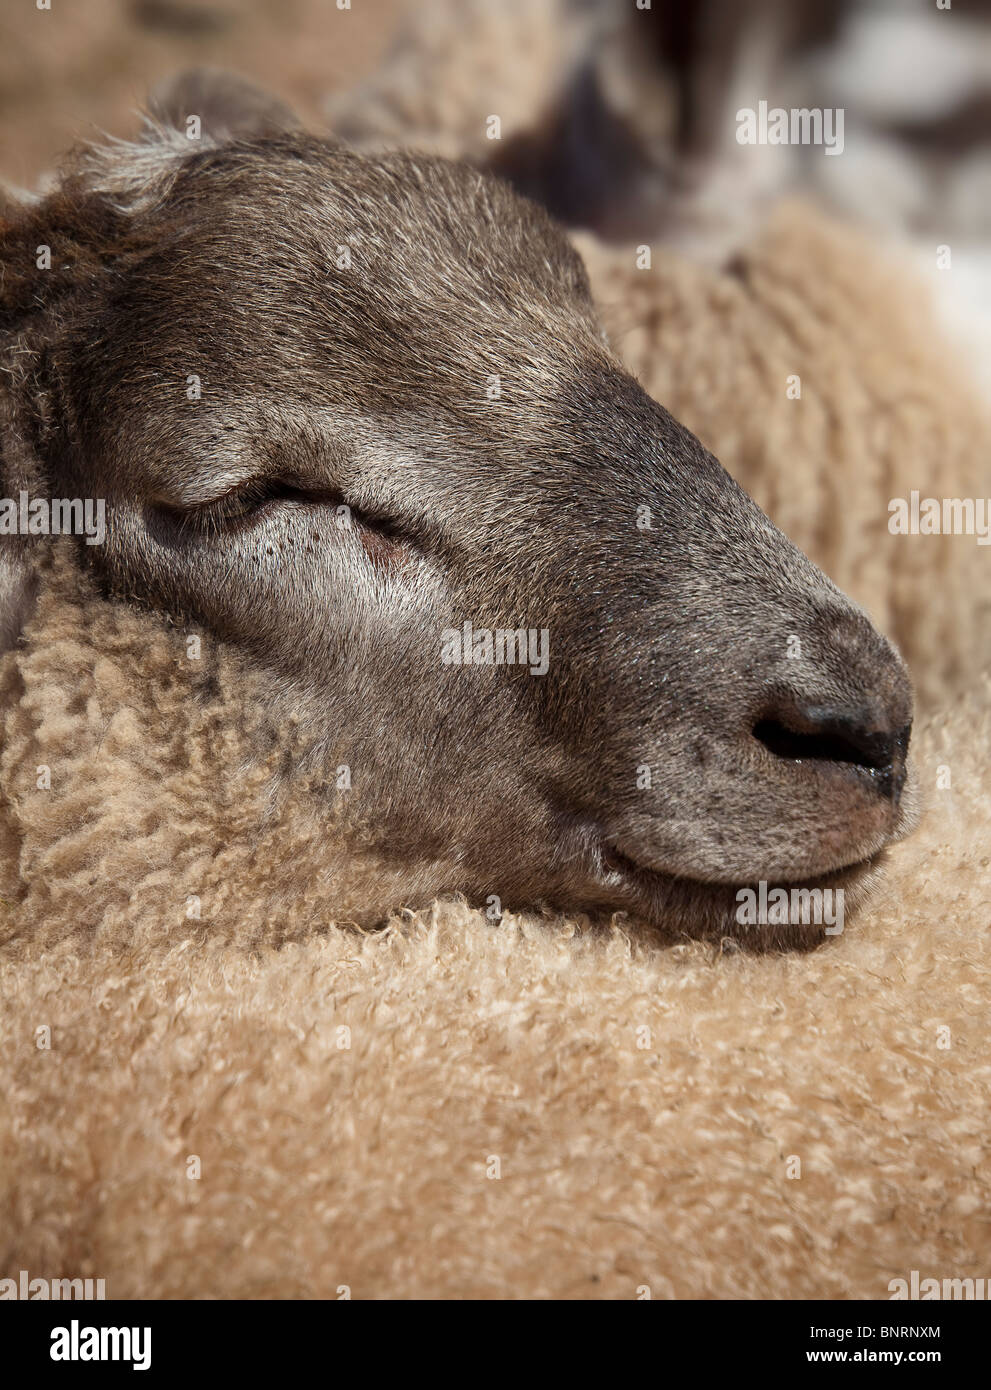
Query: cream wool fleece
(701, 1121)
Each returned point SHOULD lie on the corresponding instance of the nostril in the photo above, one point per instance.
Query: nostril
(812, 734)
(830, 746)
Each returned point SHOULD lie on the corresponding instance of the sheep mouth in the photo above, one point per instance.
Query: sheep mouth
(801, 912)
(697, 906)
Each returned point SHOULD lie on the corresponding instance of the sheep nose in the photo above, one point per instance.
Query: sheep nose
(801, 731)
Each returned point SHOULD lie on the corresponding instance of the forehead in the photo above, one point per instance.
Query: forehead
(294, 206)
(291, 265)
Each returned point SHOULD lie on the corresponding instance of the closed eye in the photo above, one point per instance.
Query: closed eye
(239, 508)
(243, 507)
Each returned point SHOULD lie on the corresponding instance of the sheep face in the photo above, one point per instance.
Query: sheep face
(357, 418)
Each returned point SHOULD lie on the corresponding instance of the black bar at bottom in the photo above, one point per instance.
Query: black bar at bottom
(175, 1339)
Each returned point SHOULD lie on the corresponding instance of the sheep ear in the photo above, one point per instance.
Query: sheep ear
(200, 109)
(209, 103)
(203, 108)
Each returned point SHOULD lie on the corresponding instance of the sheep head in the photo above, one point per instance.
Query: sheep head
(357, 419)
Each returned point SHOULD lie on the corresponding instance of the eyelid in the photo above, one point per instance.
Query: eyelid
(245, 496)
(237, 508)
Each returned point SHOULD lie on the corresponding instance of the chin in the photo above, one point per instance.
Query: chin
(764, 915)
(756, 912)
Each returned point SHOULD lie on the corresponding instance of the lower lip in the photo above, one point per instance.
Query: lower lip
(619, 870)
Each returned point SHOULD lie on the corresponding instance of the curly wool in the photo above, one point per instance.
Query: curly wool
(448, 1107)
